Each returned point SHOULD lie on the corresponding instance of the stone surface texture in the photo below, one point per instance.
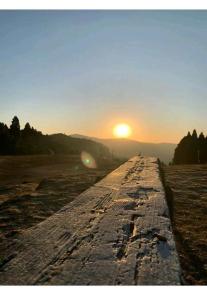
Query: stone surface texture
(117, 232)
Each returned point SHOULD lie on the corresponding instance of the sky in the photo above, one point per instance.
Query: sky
(85, 71)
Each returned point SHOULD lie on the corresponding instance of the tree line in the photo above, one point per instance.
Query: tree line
(17, 141)
(192, 149)
(13, 140)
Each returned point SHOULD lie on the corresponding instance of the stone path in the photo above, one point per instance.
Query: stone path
(118, 232)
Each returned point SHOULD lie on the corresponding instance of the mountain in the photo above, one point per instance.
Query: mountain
(61, 143)
(27, 141)
(125, 148)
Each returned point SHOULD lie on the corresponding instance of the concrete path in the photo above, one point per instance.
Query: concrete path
(118, 232)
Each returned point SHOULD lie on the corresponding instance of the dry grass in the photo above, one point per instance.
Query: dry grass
(34, 187)
(187, 196)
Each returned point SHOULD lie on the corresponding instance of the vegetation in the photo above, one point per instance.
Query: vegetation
(192, 149)
(17, 141)
(186, 195)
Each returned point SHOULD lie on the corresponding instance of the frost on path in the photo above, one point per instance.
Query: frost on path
(118, 232)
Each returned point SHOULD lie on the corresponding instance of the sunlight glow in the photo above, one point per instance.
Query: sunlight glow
(122, 131)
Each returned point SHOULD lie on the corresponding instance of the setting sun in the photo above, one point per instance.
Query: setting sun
(122, 131)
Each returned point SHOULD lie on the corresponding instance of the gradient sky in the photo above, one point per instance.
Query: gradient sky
(84, 71)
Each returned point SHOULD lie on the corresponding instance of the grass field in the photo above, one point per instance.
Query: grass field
(34, 187)
(186, 187)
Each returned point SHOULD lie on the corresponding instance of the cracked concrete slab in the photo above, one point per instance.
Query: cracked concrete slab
(118, 232)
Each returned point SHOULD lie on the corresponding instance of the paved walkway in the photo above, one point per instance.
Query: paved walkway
(117, 232)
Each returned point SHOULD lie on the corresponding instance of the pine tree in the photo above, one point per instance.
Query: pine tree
(27, 130)
(15, 127)
(202, 148)
(191, 149)
(4, 139)
(194, 135)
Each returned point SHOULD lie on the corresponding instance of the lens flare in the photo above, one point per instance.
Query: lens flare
(88, 160)
(122, 131)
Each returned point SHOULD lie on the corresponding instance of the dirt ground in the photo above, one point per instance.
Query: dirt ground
(186, 187)
(34, 187)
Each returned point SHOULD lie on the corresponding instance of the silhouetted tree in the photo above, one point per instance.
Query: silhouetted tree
(4, 139)
(15, 127)
(194, 135)
(27, 127)
(191, 149)
(27, 131)
(202, 148)
(14, 135)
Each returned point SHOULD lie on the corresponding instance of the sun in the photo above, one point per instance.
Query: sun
(122, 131)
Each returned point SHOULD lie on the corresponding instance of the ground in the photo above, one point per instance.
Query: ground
(187, 197)
(31, 185)
(117, 232)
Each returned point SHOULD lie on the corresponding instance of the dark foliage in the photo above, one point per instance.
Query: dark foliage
(191, 149)
(14, 141)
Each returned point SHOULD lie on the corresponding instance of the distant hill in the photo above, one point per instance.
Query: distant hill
(27, 141)
(124, 148)
(61, 143)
